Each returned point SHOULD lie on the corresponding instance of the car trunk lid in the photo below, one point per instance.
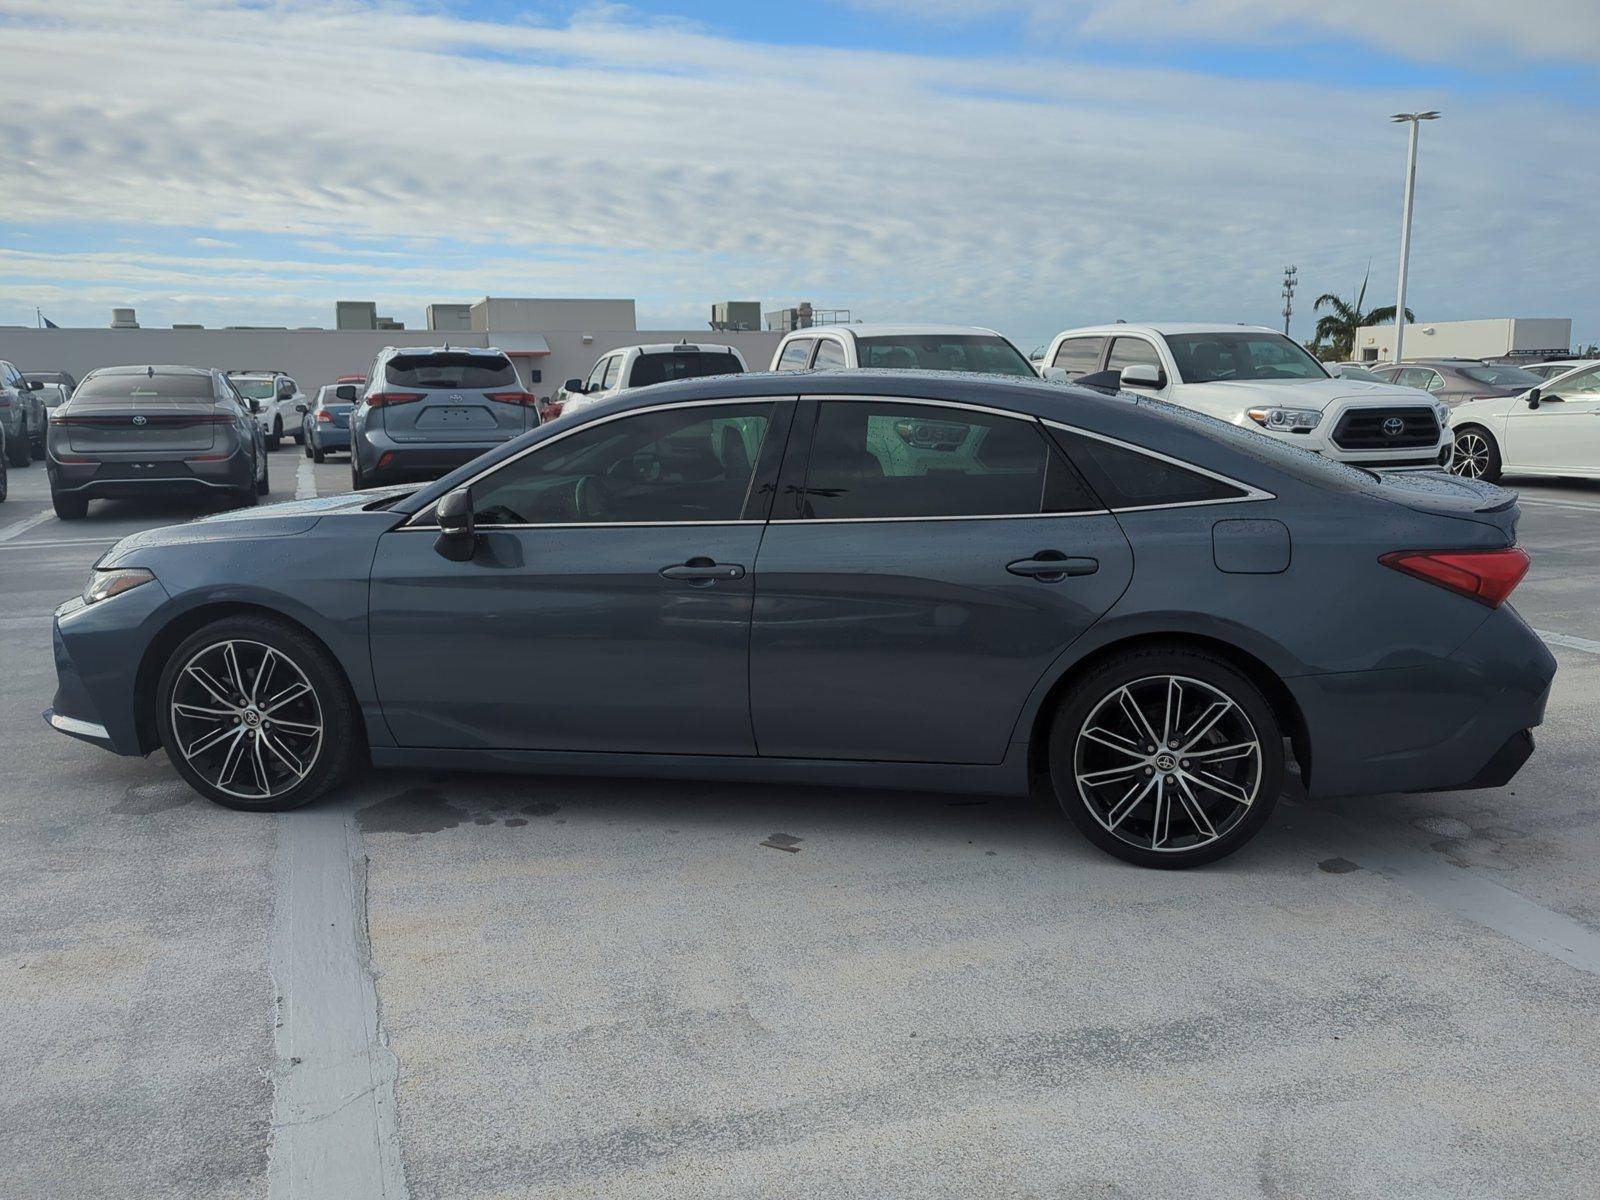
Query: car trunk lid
(140, 425)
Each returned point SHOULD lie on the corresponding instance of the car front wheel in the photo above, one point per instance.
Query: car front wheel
(255, 715)
(1166, 757)
(275, 438)
(1476, 454)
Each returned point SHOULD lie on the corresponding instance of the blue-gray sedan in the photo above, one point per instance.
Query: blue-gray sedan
(906, 579)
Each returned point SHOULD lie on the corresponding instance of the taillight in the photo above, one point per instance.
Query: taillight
(389, 399)
(324, 417)
(526, 399)
(1487, 576)
(5, 401)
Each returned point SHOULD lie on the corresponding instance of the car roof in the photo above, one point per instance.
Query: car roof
(1166, 327)
(682, 347)
(884, 329)
(397, 351)
(158, 368)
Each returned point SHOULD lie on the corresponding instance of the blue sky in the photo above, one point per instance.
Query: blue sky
(1028, 164)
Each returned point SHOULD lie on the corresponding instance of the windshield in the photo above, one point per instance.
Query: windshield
(253, 389)
(1225, 357)
(145, 387)
(1501, 376)
(474, 371)
(944, 352)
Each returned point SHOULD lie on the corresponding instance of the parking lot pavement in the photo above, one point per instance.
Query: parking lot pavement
(562, 987)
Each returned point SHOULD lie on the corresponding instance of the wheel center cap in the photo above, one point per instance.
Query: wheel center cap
(1165, 762)
(252, 717)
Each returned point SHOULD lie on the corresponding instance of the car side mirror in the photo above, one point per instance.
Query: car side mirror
(1533, 398)
(458, 538)
(345, 392)
(1145, 375)
(36, 385)
(255, 407)
(300, 408)
(573, 385)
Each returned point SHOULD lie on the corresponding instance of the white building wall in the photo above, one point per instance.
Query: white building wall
(495, 315)
(1498, 337)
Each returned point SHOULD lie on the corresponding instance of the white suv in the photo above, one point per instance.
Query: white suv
(900, 347)
(1261, 379)
(274, 395)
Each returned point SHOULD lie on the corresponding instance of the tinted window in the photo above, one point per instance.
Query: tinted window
(682, 464)
(253, 389)
(1078, 356)
(795, 354)
(658, 368)
(1129, 352)
(145, 387)
(1219, 357)
(1125, 478)
(943, 352)
(1501, 376)
(1584, 382)
(613, 369)
(475, 371)
(829, 354)
(887, 459)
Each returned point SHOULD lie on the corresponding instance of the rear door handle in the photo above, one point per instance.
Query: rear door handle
(1052, 566)
(702, 571)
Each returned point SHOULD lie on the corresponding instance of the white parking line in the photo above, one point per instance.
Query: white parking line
(55, 545)
(1569, 642)
(27, 523)
(305, 481)
(333, 1116)
(1577, 505)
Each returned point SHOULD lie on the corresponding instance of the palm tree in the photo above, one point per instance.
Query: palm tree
(1336, 332)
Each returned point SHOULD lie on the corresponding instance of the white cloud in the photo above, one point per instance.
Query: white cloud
(682, 168)
(212, 243)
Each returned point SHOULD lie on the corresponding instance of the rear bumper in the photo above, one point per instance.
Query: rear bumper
(384, 460)
(127, 476)
(1454, 724)
(330, 437)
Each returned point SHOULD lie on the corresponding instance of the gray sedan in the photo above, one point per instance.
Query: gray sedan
(904, 579)
(1457, 380)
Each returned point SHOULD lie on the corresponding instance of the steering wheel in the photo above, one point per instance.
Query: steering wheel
(591, 498)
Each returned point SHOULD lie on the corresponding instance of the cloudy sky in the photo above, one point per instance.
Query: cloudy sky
(1028, 164)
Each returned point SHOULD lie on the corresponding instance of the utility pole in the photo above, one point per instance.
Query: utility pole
(1414, 119)
(1289, 281)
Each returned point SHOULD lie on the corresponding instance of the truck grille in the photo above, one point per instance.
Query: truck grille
(1386, 429)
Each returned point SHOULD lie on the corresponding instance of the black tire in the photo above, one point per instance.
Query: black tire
(299, 436)
(1476, 454)
(264, 484)
(4, 484)
(275, 438)
(69, 508)
(318, 454)
(19, 450)
(357, 482)
(1202, 677)
(336, 752)
(38, 450)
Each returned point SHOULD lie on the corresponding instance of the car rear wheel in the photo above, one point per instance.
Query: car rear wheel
(19, 451)
(1166, 757)
(1476, 454)
(255, 715)
(4, 486)
(69, 508)
(264, 484)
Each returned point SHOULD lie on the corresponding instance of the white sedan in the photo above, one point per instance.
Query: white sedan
(1553, 429)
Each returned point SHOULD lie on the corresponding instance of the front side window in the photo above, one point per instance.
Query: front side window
(1078, 356)
(986, 353)
(884, 458)
(679, 464)
(1131, 352)
(795, 354)
(829, 354)
(447, 370)
(1580, 383)
(596, 375)
(1222, 357)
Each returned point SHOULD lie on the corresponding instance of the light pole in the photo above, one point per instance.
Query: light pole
(1405, 224)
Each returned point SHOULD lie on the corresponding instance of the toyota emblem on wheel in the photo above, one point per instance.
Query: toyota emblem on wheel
(1394, 427)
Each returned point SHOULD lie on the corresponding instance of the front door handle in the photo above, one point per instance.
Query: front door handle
(1052, 566)
(702, 572)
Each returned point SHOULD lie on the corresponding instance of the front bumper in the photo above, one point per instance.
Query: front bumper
(1455, 724)
(98, 651)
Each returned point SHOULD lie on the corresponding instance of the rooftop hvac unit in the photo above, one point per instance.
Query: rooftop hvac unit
(123, 318)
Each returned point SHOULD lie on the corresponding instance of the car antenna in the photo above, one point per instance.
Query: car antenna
(150, 372)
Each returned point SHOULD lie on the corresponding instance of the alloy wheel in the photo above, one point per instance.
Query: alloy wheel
(1167, 763)
(1472, 455)
(246, 719)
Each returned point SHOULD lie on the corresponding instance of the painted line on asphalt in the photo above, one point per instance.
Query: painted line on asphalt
(1569, 642)
(334, 1130)
(27, 523)
(1440, 882)
(1576, 505)
(305, 481)
(56, 544)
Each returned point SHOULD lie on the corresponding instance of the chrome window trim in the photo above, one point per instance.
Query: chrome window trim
(1035, 516)
(1252, 493)
(587, 425)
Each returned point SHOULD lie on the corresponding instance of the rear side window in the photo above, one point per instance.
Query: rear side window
(890, 459)
(795, 354)
(693, 364)
(134, 388)
(1078, 356)
(1126, 478)
(474, 371)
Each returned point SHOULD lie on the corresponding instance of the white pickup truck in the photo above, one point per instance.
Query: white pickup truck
(1261, 379)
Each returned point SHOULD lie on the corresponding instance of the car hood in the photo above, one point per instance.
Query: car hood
(268, 521)
(1301, 393)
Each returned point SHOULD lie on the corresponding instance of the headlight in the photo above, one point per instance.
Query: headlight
(1286, 420)
(1443, 411)
(105, 584)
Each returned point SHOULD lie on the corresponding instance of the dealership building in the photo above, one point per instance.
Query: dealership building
(1499, 339)
(549, 340)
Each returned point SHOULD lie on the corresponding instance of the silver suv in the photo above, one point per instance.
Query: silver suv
(428, 409)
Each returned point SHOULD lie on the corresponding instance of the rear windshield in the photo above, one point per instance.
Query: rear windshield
(145, 387)
(944, 352)
(253, 389)
(1502, 376)
(658, 368)
(473, 371)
